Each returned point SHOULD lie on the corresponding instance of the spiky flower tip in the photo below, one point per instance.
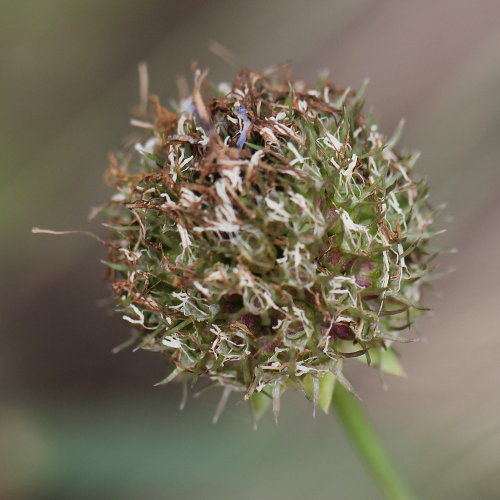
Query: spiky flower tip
(264, 234)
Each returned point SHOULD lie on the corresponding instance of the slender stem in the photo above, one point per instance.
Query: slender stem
(369, 447)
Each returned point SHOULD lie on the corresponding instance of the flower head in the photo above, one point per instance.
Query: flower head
(265, 234)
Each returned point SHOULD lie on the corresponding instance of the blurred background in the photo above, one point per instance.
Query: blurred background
(77, 422)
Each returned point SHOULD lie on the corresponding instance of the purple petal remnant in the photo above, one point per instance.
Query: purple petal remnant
(342, 331)
(232, 303)
(242, 113)
(251, 321)
(333, 257)
(364, 278)
(363, 281)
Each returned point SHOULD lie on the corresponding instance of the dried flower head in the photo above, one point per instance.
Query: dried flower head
(264, 234)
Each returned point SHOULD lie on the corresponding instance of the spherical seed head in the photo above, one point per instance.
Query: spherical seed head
(264, 233)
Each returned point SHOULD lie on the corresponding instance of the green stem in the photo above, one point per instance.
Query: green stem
(365, 440)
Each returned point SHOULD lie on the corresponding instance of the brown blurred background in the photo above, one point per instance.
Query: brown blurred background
(77, 422)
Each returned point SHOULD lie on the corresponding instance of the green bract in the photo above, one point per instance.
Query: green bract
(263, 235)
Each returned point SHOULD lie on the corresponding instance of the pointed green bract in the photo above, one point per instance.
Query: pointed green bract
(326, 386)
(260, 403)
(387, 360)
